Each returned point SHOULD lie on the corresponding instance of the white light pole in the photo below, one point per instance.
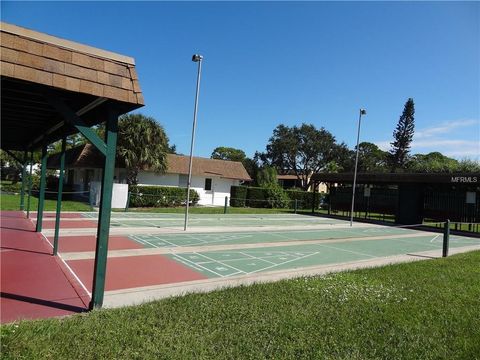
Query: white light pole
(195, 58)
(362, 112)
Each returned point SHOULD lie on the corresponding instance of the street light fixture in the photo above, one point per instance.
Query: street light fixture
(198, 59)
(362, 112)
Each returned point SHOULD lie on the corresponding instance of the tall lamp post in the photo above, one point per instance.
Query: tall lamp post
(362, 112)
(198, 59)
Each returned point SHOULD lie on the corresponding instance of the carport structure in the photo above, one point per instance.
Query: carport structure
(52, 88)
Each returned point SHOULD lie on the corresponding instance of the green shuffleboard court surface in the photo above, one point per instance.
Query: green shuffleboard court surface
(254, 237)
(249, 261)
(161, 220)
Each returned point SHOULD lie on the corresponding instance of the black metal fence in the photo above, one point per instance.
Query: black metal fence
(372, 203)
(460, 205)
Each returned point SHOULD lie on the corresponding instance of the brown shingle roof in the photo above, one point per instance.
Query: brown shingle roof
(43, 59)
(178, 164)
(287, 177)
(87, 156)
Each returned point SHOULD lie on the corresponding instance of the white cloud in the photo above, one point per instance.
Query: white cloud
(384, 145)
(442, 138)
(444, 128)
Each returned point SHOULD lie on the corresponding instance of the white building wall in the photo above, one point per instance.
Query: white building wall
(216, 196)
(150, 178)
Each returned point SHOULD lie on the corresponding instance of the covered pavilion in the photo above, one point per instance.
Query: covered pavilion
(52, 88)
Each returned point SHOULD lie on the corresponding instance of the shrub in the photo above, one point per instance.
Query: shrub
(160, 196)
(304, 198)
(276, 197)
(11, 188)
(15, 187)
(238, 194)
(256, 197)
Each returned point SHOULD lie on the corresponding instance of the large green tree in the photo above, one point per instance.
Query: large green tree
(371, 158)
(469, 165)
(142, 144)
(433, 162)
(402, 137)
(228, 153)
(302, 150)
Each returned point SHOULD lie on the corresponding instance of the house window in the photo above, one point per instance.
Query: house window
(182, 180)
(208, 184)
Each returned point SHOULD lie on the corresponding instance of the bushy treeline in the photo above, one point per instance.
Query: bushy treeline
(272, 197)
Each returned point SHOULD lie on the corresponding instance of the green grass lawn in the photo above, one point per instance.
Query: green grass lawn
(12, 202)
(421, 310)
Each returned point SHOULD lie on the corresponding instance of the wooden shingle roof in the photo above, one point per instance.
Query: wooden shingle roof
(47, 60)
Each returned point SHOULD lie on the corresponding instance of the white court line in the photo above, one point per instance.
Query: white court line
(191, 236)
(285, 262)
(220, 262)
(435, 238)
(149, 243)
(144, 242)
(168, 242)
(179, 259)
(203, 267)
(410, 243)
(350, 251)
(157, 238)
(224, 239)
(70, 269)
(257, 258)
(135, 238)
(253, 257)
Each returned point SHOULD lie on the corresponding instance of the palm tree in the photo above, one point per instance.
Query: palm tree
(142, 144)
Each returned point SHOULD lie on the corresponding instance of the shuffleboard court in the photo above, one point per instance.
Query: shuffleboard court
(150, 256)
(249, 261)
(254, 237)
(173, 220)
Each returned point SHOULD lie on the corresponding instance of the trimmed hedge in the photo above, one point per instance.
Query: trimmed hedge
(160, 196)
(304, 198)
(11, 188)
(238, 194)
(15, 188)
(258, 197)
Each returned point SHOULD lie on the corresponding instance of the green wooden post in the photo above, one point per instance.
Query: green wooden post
(104, 213)
(24, 175)
(127, 205)
(446, 238)
(314, 195)
(59, 197)
(296, 206)
(225, 206)
(30, 184)
(41, 195)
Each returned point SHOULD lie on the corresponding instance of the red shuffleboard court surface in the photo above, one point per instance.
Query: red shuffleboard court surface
(62, 215)
(88, 243)
(34, 284)
(136, 271)
(70, 224)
